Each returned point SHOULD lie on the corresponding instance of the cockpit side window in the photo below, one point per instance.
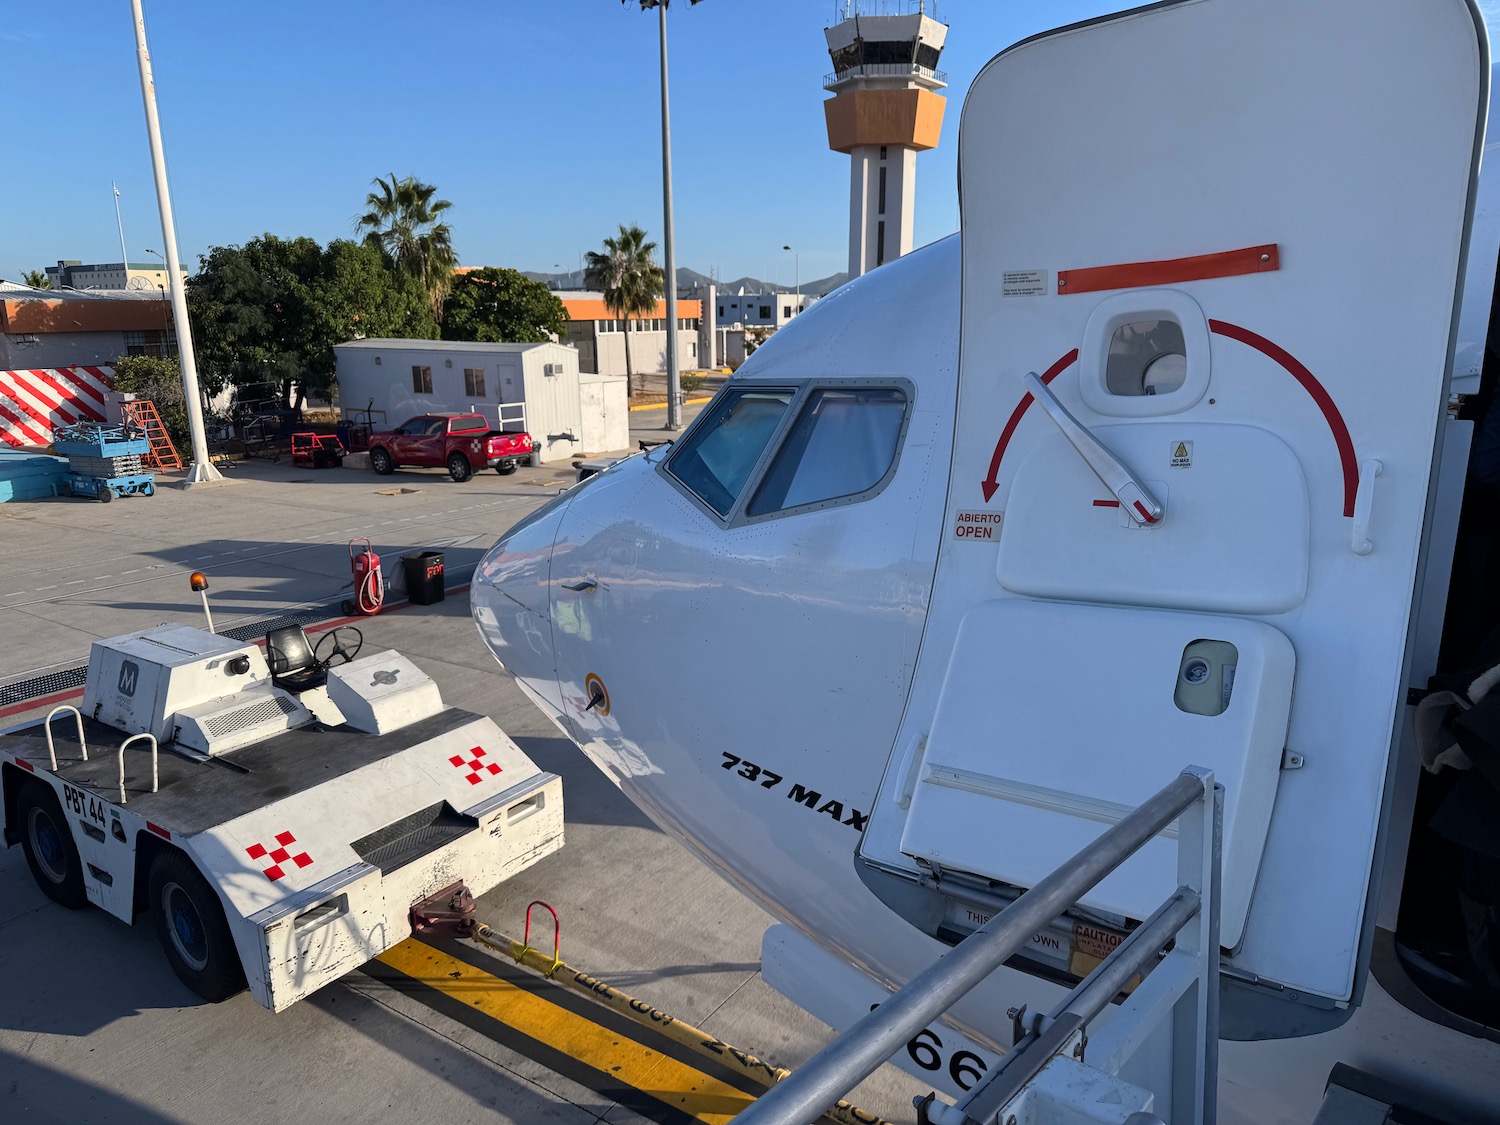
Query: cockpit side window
(717, 458)
(843, 443)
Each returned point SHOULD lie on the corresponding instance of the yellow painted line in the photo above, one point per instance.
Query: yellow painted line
(660, 1076)
(663, 406)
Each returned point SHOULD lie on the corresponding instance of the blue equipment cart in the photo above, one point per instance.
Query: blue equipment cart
(104, 461)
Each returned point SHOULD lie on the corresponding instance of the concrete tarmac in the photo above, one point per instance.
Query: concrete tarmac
(94, 1027)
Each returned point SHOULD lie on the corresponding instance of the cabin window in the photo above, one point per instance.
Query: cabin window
(717, 458)
(843, 443)
(1148, 357)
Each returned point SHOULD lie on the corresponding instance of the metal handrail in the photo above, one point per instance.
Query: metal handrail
(866, 1046)
(883, 70)
(155, 777)
(52, 749)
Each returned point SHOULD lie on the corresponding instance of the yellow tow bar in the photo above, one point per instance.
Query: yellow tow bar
(555, 969)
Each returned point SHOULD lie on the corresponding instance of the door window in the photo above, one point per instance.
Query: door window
(716, 459)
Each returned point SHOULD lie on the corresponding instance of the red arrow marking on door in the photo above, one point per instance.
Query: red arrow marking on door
(989, 484)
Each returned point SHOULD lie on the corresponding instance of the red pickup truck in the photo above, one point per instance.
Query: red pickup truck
(464, 443)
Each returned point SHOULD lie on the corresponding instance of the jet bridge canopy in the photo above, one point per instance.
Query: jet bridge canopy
(1228, 237)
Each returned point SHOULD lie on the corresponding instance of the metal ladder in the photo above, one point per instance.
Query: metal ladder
(1055, 1059)
(141, 413)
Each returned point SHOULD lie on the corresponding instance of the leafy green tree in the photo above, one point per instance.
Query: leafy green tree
(499, 305)
(630, 280)
(159, 379)
(406, 224)
(270, 312)
(37, 279)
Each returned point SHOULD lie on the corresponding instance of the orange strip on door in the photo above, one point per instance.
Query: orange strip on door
(1135, 275)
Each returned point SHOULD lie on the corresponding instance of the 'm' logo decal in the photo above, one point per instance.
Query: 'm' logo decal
(130, 672)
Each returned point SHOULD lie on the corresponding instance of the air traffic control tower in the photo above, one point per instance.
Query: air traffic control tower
(885, 109)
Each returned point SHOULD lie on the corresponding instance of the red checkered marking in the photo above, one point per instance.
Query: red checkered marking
(473, 761)
(279, 855)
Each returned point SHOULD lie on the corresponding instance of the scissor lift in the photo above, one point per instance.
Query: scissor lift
(278, 838)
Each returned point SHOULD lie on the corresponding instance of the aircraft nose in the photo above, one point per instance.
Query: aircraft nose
(510, 600)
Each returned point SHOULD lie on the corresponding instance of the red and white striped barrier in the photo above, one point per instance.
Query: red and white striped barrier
(35, 402)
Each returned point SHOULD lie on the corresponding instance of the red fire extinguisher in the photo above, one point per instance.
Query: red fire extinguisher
(369, 583)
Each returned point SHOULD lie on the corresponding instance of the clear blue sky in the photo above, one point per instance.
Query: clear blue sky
(537, 118)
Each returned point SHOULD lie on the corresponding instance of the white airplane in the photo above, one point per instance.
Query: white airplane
(1152, 466)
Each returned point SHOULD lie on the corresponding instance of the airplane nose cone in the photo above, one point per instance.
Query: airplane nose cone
(510, 600)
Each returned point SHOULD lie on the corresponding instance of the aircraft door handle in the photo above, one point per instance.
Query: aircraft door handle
(1364, 501)
(587, 585)
(1144, 508)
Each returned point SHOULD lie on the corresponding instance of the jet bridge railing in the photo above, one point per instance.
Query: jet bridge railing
(1179, 995)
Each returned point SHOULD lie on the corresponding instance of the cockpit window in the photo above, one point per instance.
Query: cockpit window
(844, 442)
(718, 457)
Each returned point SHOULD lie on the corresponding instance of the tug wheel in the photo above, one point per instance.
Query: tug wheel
(48, 843)
(191, 927)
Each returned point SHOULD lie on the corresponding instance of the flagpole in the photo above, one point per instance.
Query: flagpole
(203, 470)
(674, 381)
(124, 255)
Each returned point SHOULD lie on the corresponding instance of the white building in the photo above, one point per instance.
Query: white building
(759, 310)
(143, 276)
(535, 387)
(601, 338)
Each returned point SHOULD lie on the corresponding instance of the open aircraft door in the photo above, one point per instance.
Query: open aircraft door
(1225, 240)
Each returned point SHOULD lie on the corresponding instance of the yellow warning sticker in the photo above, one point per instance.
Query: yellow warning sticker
(1182, 454)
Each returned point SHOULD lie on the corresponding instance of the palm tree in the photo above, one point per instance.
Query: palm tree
(630, 280)
(37, 279)
(404, 222)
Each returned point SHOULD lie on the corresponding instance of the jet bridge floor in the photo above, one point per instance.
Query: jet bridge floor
(193, 795)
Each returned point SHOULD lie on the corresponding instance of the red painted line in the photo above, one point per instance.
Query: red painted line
(1319, 394)
(35, 704)
(29, 398)
(989, 484)
(1145, 515)
(1106, 503)
(1171, 271)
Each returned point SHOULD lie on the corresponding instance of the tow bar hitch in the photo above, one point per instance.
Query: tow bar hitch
(448, 913)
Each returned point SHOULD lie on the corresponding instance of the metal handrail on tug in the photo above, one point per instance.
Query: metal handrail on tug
(83, 745)
(860, 1051)
(155, 775)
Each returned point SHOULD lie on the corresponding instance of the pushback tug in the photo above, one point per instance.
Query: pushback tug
(282, 814)
(1135, 500)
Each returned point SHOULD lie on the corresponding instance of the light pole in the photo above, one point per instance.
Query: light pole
(797, 264)
(120, 225)
(166, 314)
(203, 470)
(674, 380)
